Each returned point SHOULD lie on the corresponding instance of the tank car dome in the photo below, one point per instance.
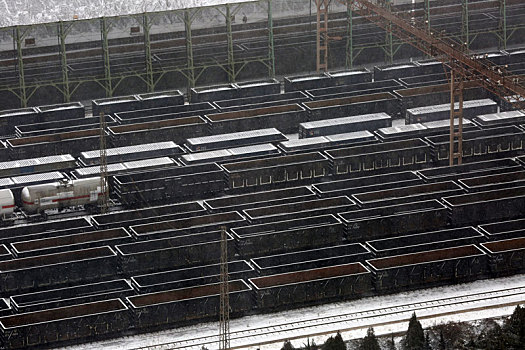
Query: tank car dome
(28, 201)
(7, 202)
(26, 195)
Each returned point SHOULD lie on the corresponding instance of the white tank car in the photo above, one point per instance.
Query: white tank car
(7, 203)
(37, 198)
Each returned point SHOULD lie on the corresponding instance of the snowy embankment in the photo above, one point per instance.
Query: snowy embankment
(388, 314)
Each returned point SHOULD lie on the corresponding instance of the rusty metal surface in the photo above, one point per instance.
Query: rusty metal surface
(190, 276)
(308, 275)
(506, 245)
(75, 225)
(76, 295)
(71, 242)
(259, 199)
(408, 194)
(148, 215)
(294, 210)
(211, 219)
(426, 241)
(494, 181)
(394, 220)
(504, 229)
(425, 257)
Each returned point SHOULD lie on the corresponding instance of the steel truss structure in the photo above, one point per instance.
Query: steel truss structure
(391, 46)
(463, 64)
(150, 74)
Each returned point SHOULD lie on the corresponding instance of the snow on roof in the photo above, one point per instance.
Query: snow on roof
(22, 12)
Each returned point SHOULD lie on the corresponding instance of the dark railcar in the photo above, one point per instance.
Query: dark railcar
(492, 143)
(147, 215)
(297, 210)
(354, 105)
(408, 194)
(180, 250)
(191, 276)
(504, 229)
(285, 236)
(390, 221)
(312, 286)
(71, 242)
(507, 256)
(73, 142)
(425, 241)
(277, 171)
(46, 271)
(196, 224)
(163, 113)
(176, 130)
(111, 105)
(482, 168)
(44, 229)
(173, 184)
(483, 207)
(78, 294)
(187, 305)
(311, 259)
(429, 268)
(236, 139)
(70, 323)
(259, 199)
(284, 117)
(387, 156)
(366, 184)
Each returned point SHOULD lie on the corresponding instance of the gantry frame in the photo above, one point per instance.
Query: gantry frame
(152, 73)
(463, 64)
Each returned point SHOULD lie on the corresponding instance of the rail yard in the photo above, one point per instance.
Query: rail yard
(324, 187)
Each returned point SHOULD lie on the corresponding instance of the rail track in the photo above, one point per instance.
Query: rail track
(254, 337)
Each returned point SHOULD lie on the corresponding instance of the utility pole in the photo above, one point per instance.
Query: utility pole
(104, 192)
(456, 134)
(224, 322)
(322, 35)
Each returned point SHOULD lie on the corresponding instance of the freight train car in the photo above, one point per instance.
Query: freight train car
(58, 195)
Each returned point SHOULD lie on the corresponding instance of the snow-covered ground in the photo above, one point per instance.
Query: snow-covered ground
(369, 311)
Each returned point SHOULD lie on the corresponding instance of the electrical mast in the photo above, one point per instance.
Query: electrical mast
(224, 322)
(104, 193)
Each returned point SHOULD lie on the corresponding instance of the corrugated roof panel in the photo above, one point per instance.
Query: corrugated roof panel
(398, 67)
(203, 156)
(36, 161)
(130, 149)
(233, 136)
(446, 123)
(501, 116)
(146, 163)
(95, 170)
(6, 182)
(304, 142)
(264, 148)
(51, 176)
(347, 73)
(345, 120)
(350, 136)
(401, 129)
(446, 106)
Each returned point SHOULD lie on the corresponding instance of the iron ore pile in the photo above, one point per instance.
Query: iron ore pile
(330, 187)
